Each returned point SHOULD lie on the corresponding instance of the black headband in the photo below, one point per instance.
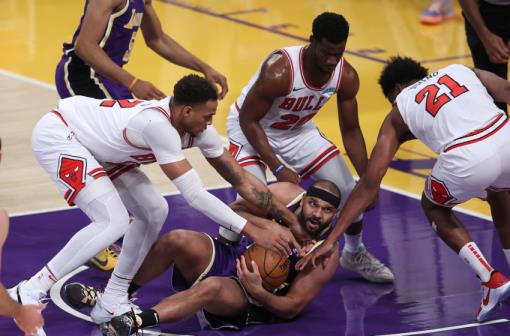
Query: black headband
(323, 195)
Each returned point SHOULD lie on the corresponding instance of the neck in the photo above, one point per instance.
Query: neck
(175, 116)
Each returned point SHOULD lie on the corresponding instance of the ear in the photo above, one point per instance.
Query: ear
(186, 110)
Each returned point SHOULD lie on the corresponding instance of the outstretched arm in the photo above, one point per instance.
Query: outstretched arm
(255, 192)
(28, 317)
(172, 51)
(393, 132)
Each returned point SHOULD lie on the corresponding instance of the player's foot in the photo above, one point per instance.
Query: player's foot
(123, 325)
(106, 259)
(23, 294)
(435, 16)
(107, 308)
(366, 265)
(80, 295)
(494, 291)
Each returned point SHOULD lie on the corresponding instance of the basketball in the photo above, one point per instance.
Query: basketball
(273, 267)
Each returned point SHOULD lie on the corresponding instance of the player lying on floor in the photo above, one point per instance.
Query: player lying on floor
(211, 275)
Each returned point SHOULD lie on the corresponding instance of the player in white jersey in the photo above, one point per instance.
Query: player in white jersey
(84, 141)
(453, 112)
(272, 117)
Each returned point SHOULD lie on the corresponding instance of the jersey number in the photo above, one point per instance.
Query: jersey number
(434, 102)
(123, 103)
(291, 121)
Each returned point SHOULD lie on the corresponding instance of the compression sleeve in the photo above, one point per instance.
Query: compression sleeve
(191, 188)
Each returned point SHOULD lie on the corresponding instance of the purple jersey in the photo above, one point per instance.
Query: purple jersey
(119, 36)
(74, 77)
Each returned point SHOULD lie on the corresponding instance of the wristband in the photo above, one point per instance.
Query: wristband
(133, 82)
(278, 169)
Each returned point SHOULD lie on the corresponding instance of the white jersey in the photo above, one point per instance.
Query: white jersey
(302, 101)
(124, 131)
(449, 107)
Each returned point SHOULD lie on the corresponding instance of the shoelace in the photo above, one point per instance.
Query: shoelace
(135, 322)
(367, 261)
(90, 294)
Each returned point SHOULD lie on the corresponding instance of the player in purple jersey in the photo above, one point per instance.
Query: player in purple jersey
(92, 65)
(211, 276)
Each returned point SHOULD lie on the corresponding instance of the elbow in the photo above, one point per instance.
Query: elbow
(293, 312)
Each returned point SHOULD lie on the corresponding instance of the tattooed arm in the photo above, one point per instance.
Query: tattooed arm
(253, 190)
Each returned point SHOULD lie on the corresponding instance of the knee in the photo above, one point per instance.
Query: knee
(209, 288)
(175, 240)
(158, 212)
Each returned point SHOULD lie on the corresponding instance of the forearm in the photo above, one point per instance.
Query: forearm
(8, 307)
(173, 52)
(98, 60)
(356, 149)
(257, 193)
(258, 139)
(282, 306)
(472, 13)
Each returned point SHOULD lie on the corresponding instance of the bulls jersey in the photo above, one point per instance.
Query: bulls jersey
(119, 35)
(448, 108)
(120, 131)
(302, 101)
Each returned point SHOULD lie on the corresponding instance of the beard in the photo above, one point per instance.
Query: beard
(305, 222)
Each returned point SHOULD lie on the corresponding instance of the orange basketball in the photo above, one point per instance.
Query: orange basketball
(273, 267)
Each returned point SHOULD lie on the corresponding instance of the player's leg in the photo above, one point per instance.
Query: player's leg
(221, 296)
(82, 181)
(150, 211)
(312, 155)
(190, 251)
(456, 177)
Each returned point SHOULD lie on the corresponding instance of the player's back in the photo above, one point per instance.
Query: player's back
(448, 104)
(101, 125)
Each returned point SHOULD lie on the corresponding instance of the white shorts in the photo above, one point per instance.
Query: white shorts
(70, 165)
(305, 149)
(470, 166)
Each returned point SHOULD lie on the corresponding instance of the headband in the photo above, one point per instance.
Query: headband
(323, 195)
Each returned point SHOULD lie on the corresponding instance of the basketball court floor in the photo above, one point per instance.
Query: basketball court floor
(434, 292)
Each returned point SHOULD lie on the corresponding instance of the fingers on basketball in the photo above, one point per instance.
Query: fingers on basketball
(273, 267)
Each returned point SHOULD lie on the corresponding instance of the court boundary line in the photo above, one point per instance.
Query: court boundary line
(45, 85)
(457, 327)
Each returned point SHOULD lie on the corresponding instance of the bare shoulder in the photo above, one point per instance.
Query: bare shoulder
(285, 192)
(112, 5)
(275, 75)
(349, 83)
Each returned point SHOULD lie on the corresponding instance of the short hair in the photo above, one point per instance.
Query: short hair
(193, 89)
(328, 186)
(331, 26)
(400, 70)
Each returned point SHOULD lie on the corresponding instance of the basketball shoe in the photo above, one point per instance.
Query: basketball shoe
(26, 295)
(366, 265)
(80, 295)
(107, 308)
(123, 325)
(494, 291)
(106, 259)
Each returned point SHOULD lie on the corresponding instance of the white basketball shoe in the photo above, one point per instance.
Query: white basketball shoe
(107, 308)
(494, 291)
(23, 294)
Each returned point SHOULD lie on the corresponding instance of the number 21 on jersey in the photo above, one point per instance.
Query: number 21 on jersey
(433, 101)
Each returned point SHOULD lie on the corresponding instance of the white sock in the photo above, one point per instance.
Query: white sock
(117, 286)
(507, 255)
(42, 280)
(472, 255)
(353, 242)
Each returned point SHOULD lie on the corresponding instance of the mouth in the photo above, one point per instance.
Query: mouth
(313, 224)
